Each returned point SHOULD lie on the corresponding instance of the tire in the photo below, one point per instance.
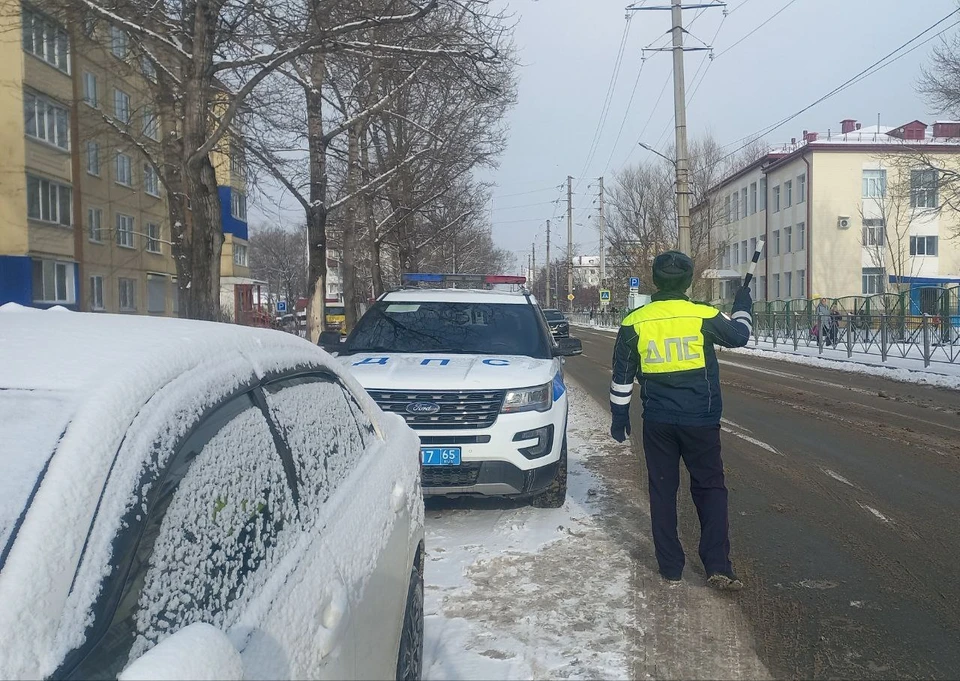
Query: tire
(410, 655)
(556, 494)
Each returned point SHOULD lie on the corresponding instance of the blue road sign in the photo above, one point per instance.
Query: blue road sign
(282, 306)
(634, 282)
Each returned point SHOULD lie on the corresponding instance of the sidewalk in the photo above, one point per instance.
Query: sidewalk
(907, 370)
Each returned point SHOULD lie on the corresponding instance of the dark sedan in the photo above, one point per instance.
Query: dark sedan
(559, 326)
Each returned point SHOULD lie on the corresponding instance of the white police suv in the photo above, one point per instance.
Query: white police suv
(478, 375)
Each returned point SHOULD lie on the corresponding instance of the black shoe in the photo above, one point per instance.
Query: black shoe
(673, 579)
(724, 582)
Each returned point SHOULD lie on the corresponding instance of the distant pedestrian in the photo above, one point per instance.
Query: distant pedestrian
(822, 323)
(834, 335)
(668, 345)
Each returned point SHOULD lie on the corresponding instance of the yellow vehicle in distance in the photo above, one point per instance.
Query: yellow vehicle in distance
(335, 318)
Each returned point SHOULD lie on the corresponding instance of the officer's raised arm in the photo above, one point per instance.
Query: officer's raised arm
(733, 331)
(626, 364)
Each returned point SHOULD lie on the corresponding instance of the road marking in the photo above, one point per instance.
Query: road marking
(803, 379)
(752, 440)
(875, 512)
(735, 425)
(836, 476)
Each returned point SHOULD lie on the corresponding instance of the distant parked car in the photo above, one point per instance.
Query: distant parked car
(559, 326)
(194, 500)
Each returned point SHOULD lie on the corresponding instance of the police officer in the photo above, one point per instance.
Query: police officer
(668, 346)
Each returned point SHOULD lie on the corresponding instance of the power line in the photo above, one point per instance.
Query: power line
(532, 191)
(775, 15)
(525, 205)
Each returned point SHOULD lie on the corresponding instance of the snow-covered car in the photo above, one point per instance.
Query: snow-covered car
(479, 376)
(194, 500)
(559, 326)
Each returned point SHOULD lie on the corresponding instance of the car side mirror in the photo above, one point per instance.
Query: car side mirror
(198, 651)
(330, 341)
(568, 347)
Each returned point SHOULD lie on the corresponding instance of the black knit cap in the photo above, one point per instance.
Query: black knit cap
(673, 272)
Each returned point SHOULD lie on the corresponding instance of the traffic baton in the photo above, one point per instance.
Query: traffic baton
(753, 264)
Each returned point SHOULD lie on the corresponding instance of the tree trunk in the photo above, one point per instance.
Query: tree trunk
(317, 211)
(200, 289)
(349, 256)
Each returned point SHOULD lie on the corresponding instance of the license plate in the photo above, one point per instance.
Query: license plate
(440, 456)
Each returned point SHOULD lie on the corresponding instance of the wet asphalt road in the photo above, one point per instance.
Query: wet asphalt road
(844, 511)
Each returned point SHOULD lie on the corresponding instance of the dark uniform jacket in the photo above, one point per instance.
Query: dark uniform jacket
(668, 346)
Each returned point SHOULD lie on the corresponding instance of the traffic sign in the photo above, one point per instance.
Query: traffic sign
(604, 296)
(281, 306)
(634, 282)
(570, 297)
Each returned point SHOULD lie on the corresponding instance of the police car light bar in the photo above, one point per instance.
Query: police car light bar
(427, 278)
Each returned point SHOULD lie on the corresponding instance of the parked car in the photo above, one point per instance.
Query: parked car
(194, 500)
(559, 326)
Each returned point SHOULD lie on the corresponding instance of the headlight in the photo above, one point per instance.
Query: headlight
(529, 399)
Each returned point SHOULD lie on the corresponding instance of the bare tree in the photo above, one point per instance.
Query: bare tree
(279, 257)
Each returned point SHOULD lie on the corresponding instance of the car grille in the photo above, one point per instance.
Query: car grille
(456, 409)
(464, 475)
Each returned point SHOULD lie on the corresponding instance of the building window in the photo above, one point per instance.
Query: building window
(801, 284)
(788, 239)
(736, 254)
(91, 90)
(872, 280)
(151, 182)
(776, 287)
(788, 283)
(802, 188)
(46, 39)
(776, 242)
(153, 237)
(761, 288)
(53, 282)
(240, 255)
(801, 236)
(156, 294)
(735, 198)
(923, 245)
(726, 257)
(95, 224)
(46, 121)
(762, 195)
(776, 199)
(128, 294)
(874, 184)
(121, 106)
(743, 202)
(89, 26)
(148, 68)
(151, 124)
(744, 258)
(238, 205)
(753, 245)
(237, 161)
(753, 198)
(873, 232)
(788, 193)
(118, 42)
(96, 292)
(124, 227)
(93, 158)
(49, 201)
(726, 208)
(923, 188)
(124, 170)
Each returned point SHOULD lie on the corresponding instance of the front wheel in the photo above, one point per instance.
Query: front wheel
(556, 494)
(410, 657)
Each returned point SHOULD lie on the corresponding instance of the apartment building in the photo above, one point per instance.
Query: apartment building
(848, 214)
(83, 217)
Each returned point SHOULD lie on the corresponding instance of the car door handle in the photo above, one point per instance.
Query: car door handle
(333, 617)
(397, 497)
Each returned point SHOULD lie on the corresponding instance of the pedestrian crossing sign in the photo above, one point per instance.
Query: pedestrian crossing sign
(604, 296)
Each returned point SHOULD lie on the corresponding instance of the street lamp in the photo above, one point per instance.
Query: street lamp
(654, 151)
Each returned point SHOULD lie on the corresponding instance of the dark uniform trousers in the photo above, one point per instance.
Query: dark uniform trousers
(664, 445)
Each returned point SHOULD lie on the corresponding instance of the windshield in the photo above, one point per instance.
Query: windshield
(335, 310)
(462, 328)
(554, 316)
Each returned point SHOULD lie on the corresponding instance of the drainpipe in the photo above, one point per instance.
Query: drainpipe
(75, 170)
(809, 200)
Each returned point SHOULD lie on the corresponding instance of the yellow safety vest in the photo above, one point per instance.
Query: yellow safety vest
(670, 335)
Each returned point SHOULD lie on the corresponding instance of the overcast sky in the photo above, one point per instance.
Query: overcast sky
(569, 48)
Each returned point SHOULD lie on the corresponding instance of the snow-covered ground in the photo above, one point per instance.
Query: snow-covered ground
(905, 369)
(515, 592)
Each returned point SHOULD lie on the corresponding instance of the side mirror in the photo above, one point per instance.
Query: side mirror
(330, 341)
(198, 651)
(568, 347)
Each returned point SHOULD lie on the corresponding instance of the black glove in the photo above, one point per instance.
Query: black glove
(620, 429)
(743, 300)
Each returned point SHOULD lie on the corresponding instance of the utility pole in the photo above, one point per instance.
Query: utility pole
(547, 297)
(680, 112)
(570, 243)
(603, 241)
(533, 259)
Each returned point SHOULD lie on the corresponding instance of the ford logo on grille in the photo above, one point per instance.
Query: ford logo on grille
(425, 408)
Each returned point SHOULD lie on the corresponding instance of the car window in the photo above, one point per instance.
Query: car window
(554, 315)
(450, 327)
(222, 514)
(326, 431)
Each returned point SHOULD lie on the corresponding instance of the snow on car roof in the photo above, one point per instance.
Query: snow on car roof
(457, 295)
